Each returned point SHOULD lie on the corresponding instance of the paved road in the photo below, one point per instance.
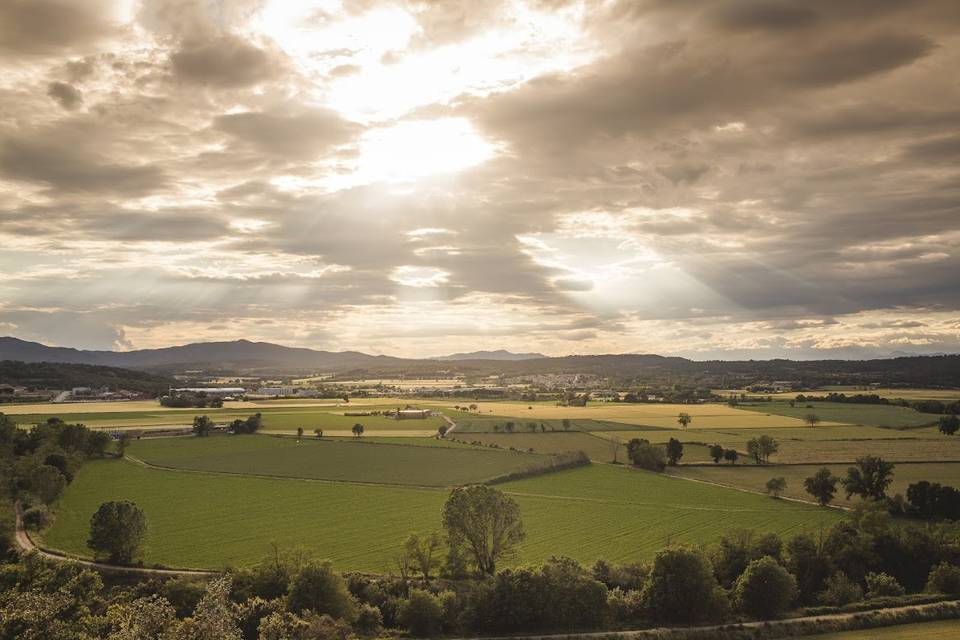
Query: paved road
(26, 544)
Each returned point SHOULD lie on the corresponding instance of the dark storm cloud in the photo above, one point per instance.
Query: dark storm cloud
(65, 95)
(226, 61)
(759, 15)
(46, 27)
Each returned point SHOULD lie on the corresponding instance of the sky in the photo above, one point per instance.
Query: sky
(713, 179)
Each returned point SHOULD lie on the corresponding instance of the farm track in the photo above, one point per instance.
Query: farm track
(27, 545)
(759, 493)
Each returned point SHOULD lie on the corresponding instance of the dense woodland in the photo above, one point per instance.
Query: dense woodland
(51, 375)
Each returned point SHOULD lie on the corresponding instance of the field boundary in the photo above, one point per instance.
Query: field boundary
(759, 493)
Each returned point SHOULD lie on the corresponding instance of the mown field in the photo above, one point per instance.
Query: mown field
(877, 415)
(938, 630)
(755, 478)
(329, 459)
(601, 511)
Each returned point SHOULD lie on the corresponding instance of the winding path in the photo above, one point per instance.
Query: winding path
(27, 545)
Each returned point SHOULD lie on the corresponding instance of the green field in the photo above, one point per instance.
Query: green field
(274, 419)
(329, 459)
(597, 448)
(471, 423)
(755, 477)
(601, 511)
(877, 415)
(938, 630)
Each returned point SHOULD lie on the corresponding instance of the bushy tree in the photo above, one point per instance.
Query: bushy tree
(840, 590)
(761, 448)
(765, 589)
(422, 553)
(674, 451)
(421, 614)
(202, 426)
(45, 482)
(319, 589)
(357, 430)
(822, 485)
(645, 455)
(881, 585)
(684, 419)
(681, 588)
(147, 618)
(731, 455)
(486, 522)
(117, 530)
(215, 617)
(369, 622)
(736, 549)
(809, 565)
(869, 478)
(776, 486)
(716, 452)
(944, 578)
(949, 425)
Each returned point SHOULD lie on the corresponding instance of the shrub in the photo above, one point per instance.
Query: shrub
(317, 588)
(625, 607)
(944, 578)
(765, 589)
(421, 614)
(840, 590)
(37, 518)
(681, 588)
(880, 585)
(369, 621)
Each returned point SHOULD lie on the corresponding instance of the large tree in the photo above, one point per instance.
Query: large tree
(202, 425)
(486, 522)
(117, 530)
(869, 478)
(949, 425)
(822, 485)
(674, 451)
(765, 589)
(645, 455)
(681, 588)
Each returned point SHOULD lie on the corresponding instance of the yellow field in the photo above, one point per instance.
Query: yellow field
(47, 408)
(704, 416)
(906, 394)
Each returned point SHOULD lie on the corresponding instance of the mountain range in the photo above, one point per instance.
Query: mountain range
(244, 355)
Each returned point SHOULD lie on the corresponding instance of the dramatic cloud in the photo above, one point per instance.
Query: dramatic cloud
(724, 178)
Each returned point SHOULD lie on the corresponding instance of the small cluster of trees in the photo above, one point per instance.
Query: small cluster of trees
(36, 465)
(198, 400)
(761, 448)
(251, 425)
(718, 453)
(869, 478)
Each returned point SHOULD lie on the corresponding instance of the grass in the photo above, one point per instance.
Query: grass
(600, 511)
(344, 460)
(705, 416)
(471, 423)
(937, 630)
(755, 477)
(597, 448)
(877, 415)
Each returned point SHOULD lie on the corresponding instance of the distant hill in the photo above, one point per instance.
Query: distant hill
(59, 375)
(243, 355)
(237, 354)
(499, 354)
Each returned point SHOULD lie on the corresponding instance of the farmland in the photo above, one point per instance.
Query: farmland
(938, 630)
(345, 460)
(877, 415)
(615, 414)
(209, 520)
(275, 418)
(755, 477)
